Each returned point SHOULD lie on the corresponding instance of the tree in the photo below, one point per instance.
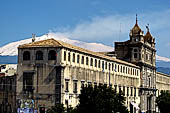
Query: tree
(100, 99)
(58, 108)
(163, 101)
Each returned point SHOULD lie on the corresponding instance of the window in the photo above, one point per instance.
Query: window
(82, 83)
(39, 55)
(120, 89)
(73, 60)
(28, 82)
(105, 65)
(126, 70)
(118, 68)
(95, 64)
(127, 91)
(123, 69)
(87, 61)
(67, 86)
(124, 90)
(135, 50)
(78, 58)
(75, 87)
(91, 62)
(99, 64)
(82, 60)
(115, 67)
(95, 84)
(135, 55)
(26, 55)
(52, 55)
(65, 56)
(149, 82)
(112, 66)
(69, 56)
(135, 92)
(115, 87)
(109, 66)
(131, 91)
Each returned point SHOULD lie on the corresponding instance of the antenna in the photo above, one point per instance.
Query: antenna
(136, 18)
(120, 31)
(147, 27)
(33, 37)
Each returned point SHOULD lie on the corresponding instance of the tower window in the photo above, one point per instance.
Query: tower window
(135, 55)
(39, 55)
(52, 55)
(26, 55)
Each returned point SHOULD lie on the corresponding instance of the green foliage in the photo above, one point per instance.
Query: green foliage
(163, 101)
(59, 108)
(100, 99)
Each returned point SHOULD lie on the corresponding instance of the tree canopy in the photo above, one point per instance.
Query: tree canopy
(101, 99)
(98, 99)
(163, 101)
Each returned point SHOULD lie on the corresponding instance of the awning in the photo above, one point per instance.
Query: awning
(135, 105)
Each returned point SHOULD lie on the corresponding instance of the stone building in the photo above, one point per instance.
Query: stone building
(7, 88)
(51, 72)
(140, 50)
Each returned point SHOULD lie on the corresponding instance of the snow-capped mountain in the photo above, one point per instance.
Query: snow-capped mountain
(11, 48)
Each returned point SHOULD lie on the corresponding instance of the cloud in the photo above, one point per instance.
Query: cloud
(115, 27)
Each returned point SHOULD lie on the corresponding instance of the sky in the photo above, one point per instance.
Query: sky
(102, 21)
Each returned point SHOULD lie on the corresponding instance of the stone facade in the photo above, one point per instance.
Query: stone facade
(51, 72)
(7, 88)
(140, 50)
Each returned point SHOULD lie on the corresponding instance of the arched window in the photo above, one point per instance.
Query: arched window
(39, 55)
(26, 55)
(52, 55)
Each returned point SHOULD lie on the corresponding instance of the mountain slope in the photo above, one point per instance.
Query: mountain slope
(11, 48)
(8, 53)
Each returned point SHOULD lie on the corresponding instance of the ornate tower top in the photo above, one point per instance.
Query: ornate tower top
(136, 29)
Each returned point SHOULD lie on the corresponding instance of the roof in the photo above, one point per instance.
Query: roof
(56, 43)
(148, 36)
(136, 29)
